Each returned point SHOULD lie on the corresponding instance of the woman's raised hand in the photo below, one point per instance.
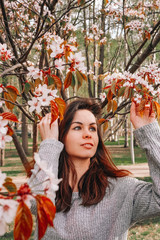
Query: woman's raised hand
(138, 120)
(47, 131)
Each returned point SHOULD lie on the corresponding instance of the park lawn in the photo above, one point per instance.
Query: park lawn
(146, 230)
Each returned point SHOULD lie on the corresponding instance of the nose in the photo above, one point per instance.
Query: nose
(86, 134)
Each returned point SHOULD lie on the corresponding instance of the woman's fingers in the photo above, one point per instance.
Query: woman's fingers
(47, 131)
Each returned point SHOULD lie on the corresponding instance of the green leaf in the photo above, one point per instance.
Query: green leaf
(73, 82)
(50, 81)
(27, 87)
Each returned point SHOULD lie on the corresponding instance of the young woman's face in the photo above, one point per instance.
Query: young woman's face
(82, 138)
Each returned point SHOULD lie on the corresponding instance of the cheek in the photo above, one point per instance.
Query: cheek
(69, 143)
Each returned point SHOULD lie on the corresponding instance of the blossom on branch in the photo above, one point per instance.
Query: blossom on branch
(4, 53)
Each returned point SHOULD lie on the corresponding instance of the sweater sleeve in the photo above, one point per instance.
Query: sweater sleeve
(49, 152)
(146, 196)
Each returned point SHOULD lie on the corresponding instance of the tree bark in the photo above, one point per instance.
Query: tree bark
(87, 54)
(21, 153)
(35, 134)
(101, 50)
(24, 134)
(1, 157)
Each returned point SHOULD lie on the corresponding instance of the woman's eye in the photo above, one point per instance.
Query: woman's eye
(77, 128)
(93, 129)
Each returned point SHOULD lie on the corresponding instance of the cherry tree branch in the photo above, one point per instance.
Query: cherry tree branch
(141, 46)
(7, 29)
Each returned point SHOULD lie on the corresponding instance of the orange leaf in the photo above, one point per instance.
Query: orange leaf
(49, 209)
(10, 132)
(105, 126)
(13, 88)
(101, 120)
(80, 77)
(9, 116)
(23, 222)
(126, 92)
(61, 107)
(113, 88)
(54, 111)
(11, 95)
(109, 106)
(109, 95)
(57, 81)
(68, 80)
(157, 106)
(46, 213)
(114, 106)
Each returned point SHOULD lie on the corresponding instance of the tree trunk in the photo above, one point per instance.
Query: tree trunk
(94, 53)
(132, 145)
(21, 153)
(35, 134)
(24, 134)
(126, 132)
(87, 55)
(101, 54)
(1, 157)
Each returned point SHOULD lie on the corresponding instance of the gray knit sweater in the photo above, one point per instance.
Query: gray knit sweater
(126, 201)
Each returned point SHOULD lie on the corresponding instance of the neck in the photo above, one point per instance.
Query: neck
(81, 166)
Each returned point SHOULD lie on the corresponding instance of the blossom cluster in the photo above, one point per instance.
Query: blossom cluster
(50, 182)
(9, 203)
(66, 53)
(42, 97)
(142, 83)
(5, 54)
(3, 133)
(96, 34)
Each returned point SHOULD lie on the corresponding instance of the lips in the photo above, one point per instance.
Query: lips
(87, 145)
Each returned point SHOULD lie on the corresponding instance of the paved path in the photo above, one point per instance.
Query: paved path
(138, 170)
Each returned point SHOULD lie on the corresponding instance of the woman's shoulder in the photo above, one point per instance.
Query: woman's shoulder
(122, 184)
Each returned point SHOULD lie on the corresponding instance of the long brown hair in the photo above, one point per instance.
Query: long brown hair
(93, 183)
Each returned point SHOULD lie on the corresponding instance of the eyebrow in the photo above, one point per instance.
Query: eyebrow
(94, 123)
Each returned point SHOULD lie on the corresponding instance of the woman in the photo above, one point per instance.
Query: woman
(96, 200)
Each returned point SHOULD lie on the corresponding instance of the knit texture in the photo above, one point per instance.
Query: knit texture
(127, 200)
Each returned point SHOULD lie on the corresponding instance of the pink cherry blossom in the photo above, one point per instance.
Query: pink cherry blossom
(59, 64)
(3, 123)
(44, 100)
(1, 88)
(3, 139)
(34, 72)
(34, 105)
(8, 208)
(3, 227)
(102, 96)
(4, 53)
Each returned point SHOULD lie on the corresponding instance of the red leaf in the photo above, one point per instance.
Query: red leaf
(9, 116)
(57, 81)
(114, 106)
(54, 111)
(157, 106)
(23, 222)
(11, 95)
(61, 107)
(46, 213)
(68, 80)
(101, 120)
(13, 88)
(109, 95)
